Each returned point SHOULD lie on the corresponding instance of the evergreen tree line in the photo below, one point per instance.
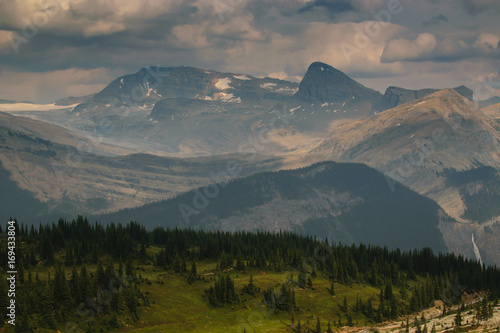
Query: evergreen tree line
(447, 274)
(83, 243)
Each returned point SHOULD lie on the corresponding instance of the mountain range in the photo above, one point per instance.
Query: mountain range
(344, 202)
(164, 131)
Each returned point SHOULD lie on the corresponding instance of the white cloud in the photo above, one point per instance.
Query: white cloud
(487, 42)
(404, 49)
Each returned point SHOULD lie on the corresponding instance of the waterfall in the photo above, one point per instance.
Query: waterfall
(476, 251)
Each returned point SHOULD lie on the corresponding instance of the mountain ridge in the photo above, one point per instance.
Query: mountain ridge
(340, 199)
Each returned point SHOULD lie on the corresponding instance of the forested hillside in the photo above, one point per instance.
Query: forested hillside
(85, 277)
(343, 201)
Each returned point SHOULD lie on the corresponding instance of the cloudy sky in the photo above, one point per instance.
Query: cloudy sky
(51, 49)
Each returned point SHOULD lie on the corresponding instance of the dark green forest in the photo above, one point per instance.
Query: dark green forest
(96, 272)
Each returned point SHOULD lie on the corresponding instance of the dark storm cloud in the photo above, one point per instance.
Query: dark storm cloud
(54, 49)
(257, 37)
(435, 20)
(474, 7)
(334, 7)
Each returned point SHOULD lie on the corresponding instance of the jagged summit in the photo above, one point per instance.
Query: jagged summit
(395, 96)
(324, 83)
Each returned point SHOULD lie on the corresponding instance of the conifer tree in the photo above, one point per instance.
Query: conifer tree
(344, 305)
(332, 289)
(458, 319)
(329, 329)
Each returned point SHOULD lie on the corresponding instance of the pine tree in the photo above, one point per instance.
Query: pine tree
(458, 319)
(484, 309)
(23, 323)
(20, 273)
(240, 263)
(318, 326)
(344, 305)
(309, 282)
(46, 303)
(183, 265)
(349, 320)
(69, 257)
(332, 289)
(251, 288)
(329, 330)
(394, 308)
(193, 274)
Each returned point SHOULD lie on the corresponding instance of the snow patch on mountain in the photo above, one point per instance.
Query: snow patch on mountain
(242, 77)
(268, 86)
(229, 98)
(147, 88)
(223, 84)
(288, 90)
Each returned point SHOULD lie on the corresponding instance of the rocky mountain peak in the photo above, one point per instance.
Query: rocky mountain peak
(395, 96)
(324, 83)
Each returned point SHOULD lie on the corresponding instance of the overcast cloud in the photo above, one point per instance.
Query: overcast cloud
(52, 49)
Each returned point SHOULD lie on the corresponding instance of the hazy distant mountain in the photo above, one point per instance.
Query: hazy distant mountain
(344, 202)
(395, 96)
(181, 111)
(326, 96)
(152, 84)
(493, 111)
(488, 102)
(8, 101)
(418, 143)
(73, 100)
(71, 174)
(451, 128)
